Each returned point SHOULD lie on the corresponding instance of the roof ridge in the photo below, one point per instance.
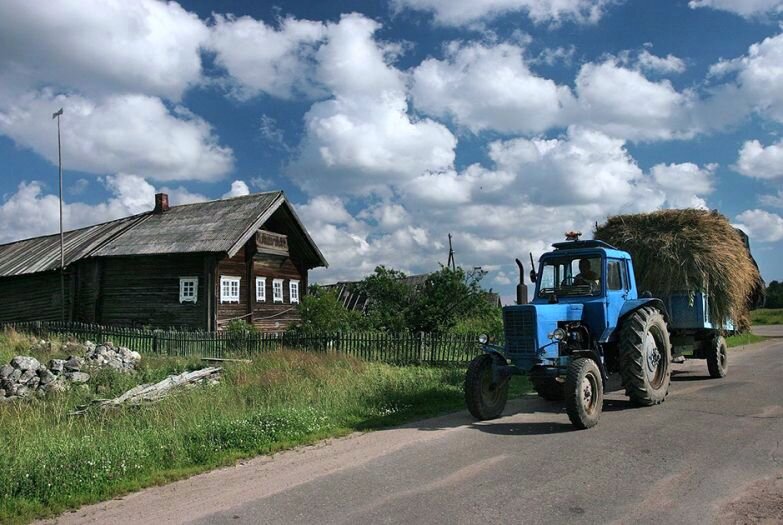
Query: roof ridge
(226, 199)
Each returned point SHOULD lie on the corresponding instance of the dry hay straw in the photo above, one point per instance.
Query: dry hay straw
(683, 250)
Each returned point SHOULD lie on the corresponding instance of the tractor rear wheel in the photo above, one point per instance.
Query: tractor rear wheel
(484, 398)
(645, 357)
(584, 393)
(717, 357)
(549, 388)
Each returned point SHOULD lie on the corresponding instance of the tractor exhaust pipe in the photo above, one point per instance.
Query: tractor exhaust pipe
(521, 287)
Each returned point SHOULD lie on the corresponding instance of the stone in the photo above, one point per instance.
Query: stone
(8, 399)
(22, 391)
(33, 383)
(56, 365)
(2, 392)
(15, 375)
(115, 363)
(10, 388)
(77, 377)
(55, 386)
(46, 376)
(23, 362)
(6, 371)
(27, 375)
(73, 364)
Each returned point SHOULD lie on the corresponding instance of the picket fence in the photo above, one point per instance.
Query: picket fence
(401, 348)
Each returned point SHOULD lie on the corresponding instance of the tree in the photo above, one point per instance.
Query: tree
(321, 313)
(388, 299)
(774, 295)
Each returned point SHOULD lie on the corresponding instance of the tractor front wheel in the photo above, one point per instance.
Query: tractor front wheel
(485, 399)
(645, 357)
(717, 357)
(584, 393)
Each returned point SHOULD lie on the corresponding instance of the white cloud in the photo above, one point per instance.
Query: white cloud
(684, 183)
(101, 47)
(761, 162)
(262, 59)
(485, 87)
(745, 8)
(761, 225)
(624, 103)
(662, 65)
(238, 189)
(775, 200)
(362, 140)
(120, 133)
(464, 12)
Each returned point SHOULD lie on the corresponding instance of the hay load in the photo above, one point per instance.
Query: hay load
(679, 250)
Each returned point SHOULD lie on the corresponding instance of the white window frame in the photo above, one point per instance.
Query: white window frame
(183, 281)
(277, 284)
(227, 296)
(293, 291)
(260, 289)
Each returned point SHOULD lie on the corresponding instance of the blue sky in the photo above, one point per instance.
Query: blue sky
(390, 124)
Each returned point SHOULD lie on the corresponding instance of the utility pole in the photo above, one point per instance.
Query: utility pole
(451, 264)
(57, 115)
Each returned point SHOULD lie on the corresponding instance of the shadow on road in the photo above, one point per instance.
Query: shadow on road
(524, 429)
(686, 375)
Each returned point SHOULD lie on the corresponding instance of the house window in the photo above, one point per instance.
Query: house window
(229, 289)
(293, 289)
(260, 289)
(277, 290)
(188, 289)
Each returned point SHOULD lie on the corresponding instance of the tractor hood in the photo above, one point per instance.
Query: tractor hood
(527, 328)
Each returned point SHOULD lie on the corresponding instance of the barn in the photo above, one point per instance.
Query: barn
(194, 266)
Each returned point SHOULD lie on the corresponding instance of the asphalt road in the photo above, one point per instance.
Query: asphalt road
(710, 453)
(772, 330)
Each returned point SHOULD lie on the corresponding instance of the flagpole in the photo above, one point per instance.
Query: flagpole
(62, 235)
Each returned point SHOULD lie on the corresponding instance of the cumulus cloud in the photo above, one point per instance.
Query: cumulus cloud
(119, 133)
(98, 47)
(624, 103)
(238, 189)
(745, 8)
(761, 162)
(264, 59)
(761, 225)
(775, 200)
(464, 12)
(363, 139)
(663, 65)
(684, 183)
(488, 87)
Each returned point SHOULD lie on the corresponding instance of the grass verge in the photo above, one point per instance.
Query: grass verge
(743, 339)
(764, 316)
(50, 461)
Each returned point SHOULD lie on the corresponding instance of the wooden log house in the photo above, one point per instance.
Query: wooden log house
(195, 266)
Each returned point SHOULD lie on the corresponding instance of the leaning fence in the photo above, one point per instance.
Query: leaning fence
(401, 348)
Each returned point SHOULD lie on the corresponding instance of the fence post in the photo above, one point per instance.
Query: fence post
(421, 348)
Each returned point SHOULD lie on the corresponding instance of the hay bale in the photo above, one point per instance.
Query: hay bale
(679, 250)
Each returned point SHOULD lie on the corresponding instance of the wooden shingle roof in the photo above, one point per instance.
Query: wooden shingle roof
(221, 226)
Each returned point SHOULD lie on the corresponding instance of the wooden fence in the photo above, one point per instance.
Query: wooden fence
(404, 348)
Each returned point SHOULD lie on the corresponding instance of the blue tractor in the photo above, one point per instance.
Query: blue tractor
(587, 323)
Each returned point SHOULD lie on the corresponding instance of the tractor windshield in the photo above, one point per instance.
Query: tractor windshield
(571, 276)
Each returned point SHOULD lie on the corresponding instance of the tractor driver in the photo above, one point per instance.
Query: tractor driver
(586, 274)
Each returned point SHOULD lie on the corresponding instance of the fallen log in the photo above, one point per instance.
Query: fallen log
(151, 393)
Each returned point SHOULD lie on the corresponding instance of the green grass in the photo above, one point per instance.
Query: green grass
(766, 316)
(743, 339)
(50, 461)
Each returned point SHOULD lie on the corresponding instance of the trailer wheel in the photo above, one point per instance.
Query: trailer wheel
(717, 357)
(645, 357)
(584, 393)
(549, 388)
(485, 399)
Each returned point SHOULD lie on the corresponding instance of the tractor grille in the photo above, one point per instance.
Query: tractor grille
(520, 329)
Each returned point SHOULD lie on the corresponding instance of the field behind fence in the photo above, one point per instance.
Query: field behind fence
(404, 348)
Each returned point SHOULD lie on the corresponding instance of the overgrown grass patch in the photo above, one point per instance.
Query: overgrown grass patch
(51, 461)
(743, 339)
(765, 316)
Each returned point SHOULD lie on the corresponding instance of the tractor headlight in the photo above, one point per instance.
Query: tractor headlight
(483, 338)
(558, 335)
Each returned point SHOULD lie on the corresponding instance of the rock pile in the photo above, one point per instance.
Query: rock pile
(25, 375)
(108, 355)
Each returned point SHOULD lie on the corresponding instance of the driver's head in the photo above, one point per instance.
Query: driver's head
(584, 265)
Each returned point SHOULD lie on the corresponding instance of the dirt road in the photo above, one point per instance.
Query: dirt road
(710, 453)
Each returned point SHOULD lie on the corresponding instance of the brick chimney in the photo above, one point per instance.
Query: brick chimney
(161, 202)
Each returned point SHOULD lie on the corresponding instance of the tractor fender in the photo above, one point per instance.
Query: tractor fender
(630, 307)
(592, 354)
